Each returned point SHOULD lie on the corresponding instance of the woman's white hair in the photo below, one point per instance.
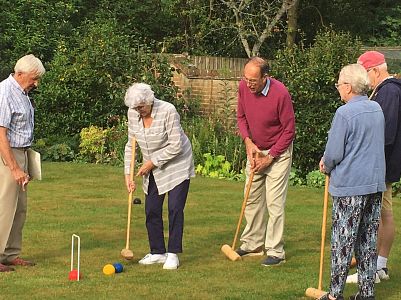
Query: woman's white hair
(29, 64)
(357, 77)
(139, 94)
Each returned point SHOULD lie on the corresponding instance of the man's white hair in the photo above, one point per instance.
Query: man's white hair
(357, 77)
(29, 64)
(382, 67)
(139, 94)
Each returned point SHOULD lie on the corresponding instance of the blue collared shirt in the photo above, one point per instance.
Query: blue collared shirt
(266, 88)
(16, 113)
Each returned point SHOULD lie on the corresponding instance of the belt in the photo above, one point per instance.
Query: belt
(21, 148)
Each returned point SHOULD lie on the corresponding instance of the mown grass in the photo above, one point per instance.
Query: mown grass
(90, 200)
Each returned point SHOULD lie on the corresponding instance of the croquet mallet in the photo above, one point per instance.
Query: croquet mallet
(312, 292)
(126, 252)
(226, 249)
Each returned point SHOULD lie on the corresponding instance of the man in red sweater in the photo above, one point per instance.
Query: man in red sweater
(266, 122)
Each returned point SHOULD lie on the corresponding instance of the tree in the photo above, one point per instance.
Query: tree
(361, 18)
(88, 77)
(249, 16)
(292, 23)
(309, 74)
(34, 27)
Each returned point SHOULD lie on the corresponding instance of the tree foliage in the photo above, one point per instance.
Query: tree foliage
(365, 19)
(33, 27)
(86, 81)
(94, 49)
(256, 21)
(310, 74)
(388, 31)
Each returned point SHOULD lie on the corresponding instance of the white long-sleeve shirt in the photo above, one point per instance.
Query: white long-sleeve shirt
(164, 143)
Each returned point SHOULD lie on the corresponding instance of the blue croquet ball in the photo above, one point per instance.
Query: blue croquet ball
(119, 267)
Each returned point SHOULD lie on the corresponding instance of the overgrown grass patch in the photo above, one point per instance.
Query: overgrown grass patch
(91, 201)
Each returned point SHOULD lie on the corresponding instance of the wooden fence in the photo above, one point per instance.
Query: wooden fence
(214, 80)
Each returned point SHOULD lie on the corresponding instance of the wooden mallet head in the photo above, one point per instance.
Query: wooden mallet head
(230, 253)
(127, 254)
(314, 293)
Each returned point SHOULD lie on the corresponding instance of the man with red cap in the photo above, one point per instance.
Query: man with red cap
(387, 92)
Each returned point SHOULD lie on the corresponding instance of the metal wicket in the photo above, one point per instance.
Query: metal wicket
(73, 238)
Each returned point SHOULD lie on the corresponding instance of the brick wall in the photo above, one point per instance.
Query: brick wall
(213, 94)
(213, 80)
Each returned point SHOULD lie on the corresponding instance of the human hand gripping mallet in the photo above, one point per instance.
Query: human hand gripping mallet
(312, 292)
(126, 252)
(226, 249)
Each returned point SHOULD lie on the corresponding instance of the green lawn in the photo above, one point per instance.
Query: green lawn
(90, 200)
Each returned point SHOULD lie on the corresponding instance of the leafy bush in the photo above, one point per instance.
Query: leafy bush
(295, 180)
(207, 135)
(116, 139)
(59, 152)
(310, 74)
(215, 133)
(217, 167)
(92, 146)
(388, 31)
(89, 74)
(44, 23)
(396, 189)
(55, 149)
(315, 179)
(105, 145)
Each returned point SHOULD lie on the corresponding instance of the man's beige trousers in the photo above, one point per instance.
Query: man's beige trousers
(267, 195)
(13, 206)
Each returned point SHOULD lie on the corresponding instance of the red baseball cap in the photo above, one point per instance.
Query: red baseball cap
(371, 59)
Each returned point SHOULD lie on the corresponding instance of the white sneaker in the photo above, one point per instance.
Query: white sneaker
(172, 262)
(151, 259)
(383, 274)
(354, 278)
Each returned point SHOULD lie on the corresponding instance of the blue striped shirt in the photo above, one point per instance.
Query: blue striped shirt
(16, 113)
(164, 143)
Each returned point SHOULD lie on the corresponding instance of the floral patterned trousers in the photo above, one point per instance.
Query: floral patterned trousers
(355, 221)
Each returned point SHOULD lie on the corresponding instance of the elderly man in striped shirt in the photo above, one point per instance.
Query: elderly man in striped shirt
(16, 136)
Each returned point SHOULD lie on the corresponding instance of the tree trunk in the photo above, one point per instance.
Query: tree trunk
(292, 26)
(244, 22)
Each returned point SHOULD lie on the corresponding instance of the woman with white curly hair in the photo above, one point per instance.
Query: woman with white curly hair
(167, 168)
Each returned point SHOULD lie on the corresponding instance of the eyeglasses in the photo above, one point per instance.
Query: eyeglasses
(337, 85)
(250, 81)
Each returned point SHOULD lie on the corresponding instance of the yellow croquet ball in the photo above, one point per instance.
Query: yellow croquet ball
(109, 269)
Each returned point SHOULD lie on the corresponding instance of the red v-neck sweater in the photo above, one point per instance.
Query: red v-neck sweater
(269, 120)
